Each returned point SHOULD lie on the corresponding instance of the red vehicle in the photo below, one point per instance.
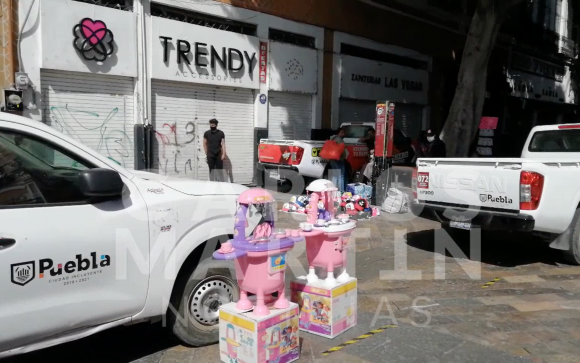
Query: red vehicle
(277, 157)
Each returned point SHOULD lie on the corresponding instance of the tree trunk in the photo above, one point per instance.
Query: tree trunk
(465, 113)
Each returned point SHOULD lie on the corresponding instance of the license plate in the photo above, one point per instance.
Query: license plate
(460, 225)
(274, 173)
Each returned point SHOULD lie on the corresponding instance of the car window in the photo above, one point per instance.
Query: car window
(556, 141)
(356, 131)
(34, 172)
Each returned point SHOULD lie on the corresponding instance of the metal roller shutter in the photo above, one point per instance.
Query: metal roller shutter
(356, 111)
(181, 114)
(409, 119)
(94, 109)
(289, 116)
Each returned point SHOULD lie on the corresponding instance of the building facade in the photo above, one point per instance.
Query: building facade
(139, 80)
(106, 74)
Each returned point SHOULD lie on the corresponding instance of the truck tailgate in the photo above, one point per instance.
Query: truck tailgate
(475, 183)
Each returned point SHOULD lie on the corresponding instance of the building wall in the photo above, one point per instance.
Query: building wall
(8, 36)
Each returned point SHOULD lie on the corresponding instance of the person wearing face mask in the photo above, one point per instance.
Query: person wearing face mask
(214, 145)
(434, 147)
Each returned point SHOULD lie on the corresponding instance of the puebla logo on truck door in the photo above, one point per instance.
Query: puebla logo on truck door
(77, 270)
(22, 273)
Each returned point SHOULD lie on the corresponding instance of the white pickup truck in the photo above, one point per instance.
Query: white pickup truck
(537, 193)
(86, 245)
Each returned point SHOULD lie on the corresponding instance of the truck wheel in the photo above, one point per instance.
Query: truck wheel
(572, 256)
(194, 318)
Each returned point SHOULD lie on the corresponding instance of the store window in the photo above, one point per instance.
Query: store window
(292, 38)
(209, 21)
(126, 5)
(33, 172)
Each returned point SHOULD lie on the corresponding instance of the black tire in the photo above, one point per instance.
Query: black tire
(196, 300)
(572, 256)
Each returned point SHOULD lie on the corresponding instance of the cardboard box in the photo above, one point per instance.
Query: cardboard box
(326, 312)
(246, 338)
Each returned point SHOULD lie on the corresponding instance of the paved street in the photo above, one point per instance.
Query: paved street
(530, 314)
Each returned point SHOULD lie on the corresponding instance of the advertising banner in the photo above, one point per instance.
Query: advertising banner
(390, 129)
(381, 128)
(263, 62)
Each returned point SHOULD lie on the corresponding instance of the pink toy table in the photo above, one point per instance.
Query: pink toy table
(326, 248)
(260, 269)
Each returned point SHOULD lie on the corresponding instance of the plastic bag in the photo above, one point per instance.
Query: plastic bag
(396, 202)
(331, 150)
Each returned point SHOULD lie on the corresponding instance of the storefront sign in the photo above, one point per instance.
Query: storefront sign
(293, 68)
(263, 62)
(371, 80)
(534, 87)
(537, 66)
(78, 37)
(191, 53)
(93, 40)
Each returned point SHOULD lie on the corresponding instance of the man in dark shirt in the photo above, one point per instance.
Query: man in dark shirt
(369, 139)
(435, 147)
(214, 144)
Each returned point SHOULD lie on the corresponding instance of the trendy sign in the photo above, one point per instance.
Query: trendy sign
(190, 53)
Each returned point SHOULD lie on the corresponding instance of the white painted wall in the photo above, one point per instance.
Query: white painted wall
(293, 69)
(59, 18)
(47, 43)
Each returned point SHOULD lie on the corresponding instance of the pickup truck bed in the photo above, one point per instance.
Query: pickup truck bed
(536, 193)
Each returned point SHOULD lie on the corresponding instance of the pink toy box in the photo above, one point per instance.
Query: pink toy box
(327, 312)
(247, 338)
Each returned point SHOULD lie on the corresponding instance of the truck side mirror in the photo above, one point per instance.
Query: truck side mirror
(101, 183)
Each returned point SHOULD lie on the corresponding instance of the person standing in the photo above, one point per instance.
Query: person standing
(435, 146)
(214, 145)
(339, 166)
(369, 139)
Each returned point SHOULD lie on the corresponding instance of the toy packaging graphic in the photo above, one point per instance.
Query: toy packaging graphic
(323, 311)
(247, 338)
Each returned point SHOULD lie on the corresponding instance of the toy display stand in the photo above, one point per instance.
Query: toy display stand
(326, 242)
(260, 259)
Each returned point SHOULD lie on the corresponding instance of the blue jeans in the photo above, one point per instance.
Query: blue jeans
(337, 173)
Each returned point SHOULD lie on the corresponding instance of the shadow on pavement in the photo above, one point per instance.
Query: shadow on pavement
(499, 249)
(119, 345)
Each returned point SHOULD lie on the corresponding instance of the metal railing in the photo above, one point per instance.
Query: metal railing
(568, 47)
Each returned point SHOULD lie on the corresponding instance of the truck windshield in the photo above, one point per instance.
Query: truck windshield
(356, 131)
(556, 141)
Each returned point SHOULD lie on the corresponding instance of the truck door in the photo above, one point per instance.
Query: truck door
(58, 254)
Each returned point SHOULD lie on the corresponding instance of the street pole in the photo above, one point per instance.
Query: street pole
(381, 178)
